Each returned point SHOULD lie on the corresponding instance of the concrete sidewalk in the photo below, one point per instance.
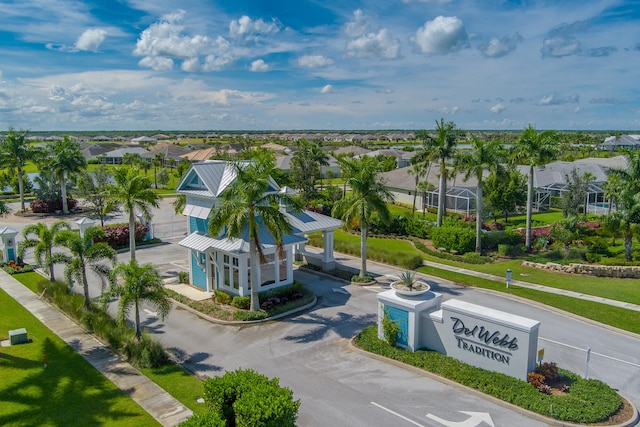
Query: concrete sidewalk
(153, 399)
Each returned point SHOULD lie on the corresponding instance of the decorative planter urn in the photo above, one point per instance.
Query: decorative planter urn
(418, 288)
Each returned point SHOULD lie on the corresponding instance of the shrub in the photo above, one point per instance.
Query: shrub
(50, 206)
(241, 302)
(183, 277)
(510, 250)
(210, 419)
(451, 238)
(117, 235)
(548, 369)
(247, 316)
(222, 297)
(390, 328)
(246, 398)
(13, 267)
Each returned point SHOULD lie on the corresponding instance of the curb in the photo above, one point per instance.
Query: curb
(245, 322)
(533, 415)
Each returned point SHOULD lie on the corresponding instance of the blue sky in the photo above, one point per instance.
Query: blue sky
(311, 64)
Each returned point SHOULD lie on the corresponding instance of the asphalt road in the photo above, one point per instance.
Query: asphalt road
(339, 386)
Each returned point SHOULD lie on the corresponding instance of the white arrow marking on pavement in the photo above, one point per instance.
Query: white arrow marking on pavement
(150, 313)
(475, 419)
(340, 290)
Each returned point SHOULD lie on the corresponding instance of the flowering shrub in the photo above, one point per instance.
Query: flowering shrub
(548, 369)
(50, 206)
(117, 235)
(13, 267)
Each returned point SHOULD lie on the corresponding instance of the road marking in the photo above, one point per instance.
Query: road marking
(475, 419)
(397, 414)
(150, 313)
(592, 353)
(340, 290)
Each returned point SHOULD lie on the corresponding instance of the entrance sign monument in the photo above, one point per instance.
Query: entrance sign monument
(477, 335)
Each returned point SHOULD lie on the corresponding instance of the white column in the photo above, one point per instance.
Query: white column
(328, 261)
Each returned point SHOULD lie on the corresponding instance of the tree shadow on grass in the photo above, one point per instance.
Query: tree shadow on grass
(67, 392)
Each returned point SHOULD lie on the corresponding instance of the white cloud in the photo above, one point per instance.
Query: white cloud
(442, 35)
(259, 66)
(358, 26)
(326, 89)
(554, 100)
(557, 47)
(164, 41)
(497, 48)
(374, 45)
(247, 29)
(314, 61)
(498, 108)
(91, 39)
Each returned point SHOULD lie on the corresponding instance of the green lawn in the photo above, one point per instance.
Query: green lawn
(69, 392)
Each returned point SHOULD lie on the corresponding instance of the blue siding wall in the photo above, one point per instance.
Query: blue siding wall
(402, 318)
(198, 224)
(198, 274)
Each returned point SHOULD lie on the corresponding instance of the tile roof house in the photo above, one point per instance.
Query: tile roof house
(218, 262)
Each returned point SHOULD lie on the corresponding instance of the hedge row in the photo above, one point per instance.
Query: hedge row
(589, 401)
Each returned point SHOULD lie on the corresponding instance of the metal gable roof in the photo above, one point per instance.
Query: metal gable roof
(308, 221)
(203, 243)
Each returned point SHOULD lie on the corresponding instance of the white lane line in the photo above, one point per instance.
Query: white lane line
(626, 362)
(397, 414)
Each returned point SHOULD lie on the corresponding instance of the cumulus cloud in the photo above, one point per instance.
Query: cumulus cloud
(91, 39)
(554, 100)
(498, 47)
(251, 30)
(374, 45)
(314, 61)
(326, 89)
(442, 35)
(498, 108)
(259, 66)
(559, 47)
(164, 41)
(358, 26)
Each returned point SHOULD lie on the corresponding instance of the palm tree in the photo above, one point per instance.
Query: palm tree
(534, 149)
(15, 152)
(84, 254)
(625, 220)
(483, 155)
(133, 191)
(441, 148)
(368, 196)
(419, 169)
(306, 165)
(42, 239)
(158, 161)
(247, 204)
(4, 209)
(135, 284)
(66, 159)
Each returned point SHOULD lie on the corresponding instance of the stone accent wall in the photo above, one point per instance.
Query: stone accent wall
(618, 271)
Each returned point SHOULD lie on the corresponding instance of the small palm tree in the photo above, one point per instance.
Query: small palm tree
(84, 255)
(134, 284)
(133, 191)
(441, 148)
(368, 195)
(15, 152)
(247, 204)
(42, 239)
(483, 155)
(4, 209)
(534, 149)
(66, 158)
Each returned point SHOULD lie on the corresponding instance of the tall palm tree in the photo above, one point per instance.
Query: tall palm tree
(42, 239)
(440, 147)
(133, 191)
(158, 161)
(66, 158)
(534, 149)
(483, 155)
(306, 164)
(368, 196)
(247, 204)
(15, 152)
(419, 168)
(84, 255)
(135, 284)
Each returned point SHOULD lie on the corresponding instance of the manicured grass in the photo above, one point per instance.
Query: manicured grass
(69, 392)
(628, 320)
(180, 384)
